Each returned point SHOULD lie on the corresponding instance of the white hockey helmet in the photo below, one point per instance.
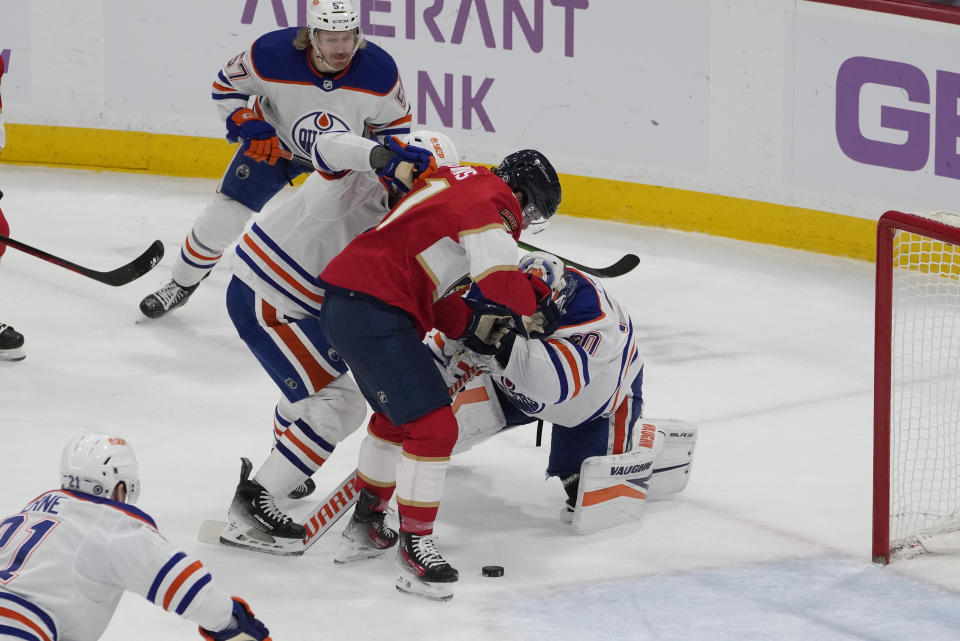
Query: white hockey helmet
(96, 463)
(333, 15)
(546, 267)
(437, 143)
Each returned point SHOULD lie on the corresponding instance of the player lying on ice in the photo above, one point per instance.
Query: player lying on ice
(68, 556)
(585, 377)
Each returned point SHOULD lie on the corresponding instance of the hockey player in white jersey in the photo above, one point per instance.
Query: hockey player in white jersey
(67, 557)
(273, 300)
(276, 98)
(586, 378)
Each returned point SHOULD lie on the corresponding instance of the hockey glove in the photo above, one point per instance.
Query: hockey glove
(546, 319)
(488, 323)
(244, 627)
(399, 164)
(259, 136)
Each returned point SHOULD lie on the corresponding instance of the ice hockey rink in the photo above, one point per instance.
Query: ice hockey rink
(767, 350)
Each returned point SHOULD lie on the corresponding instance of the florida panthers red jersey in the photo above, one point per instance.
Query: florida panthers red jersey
(459, 225)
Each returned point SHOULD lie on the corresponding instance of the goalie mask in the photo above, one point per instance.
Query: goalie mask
(553, 272)
(329, 19)
(95, 463)
(436, 143)
(530, 173)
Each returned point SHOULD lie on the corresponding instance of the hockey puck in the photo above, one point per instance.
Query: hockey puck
(492, 570)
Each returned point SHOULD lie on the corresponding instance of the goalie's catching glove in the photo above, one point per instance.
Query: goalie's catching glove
(488, 323)
(399, 164)
(243, 627)
(259, 136)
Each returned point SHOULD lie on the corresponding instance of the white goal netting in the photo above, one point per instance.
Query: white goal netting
(925, 389)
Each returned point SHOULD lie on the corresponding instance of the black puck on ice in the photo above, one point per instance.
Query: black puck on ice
(492, 570)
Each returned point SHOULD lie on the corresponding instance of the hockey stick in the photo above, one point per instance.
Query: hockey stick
(117, 277)
(320, 519)
(619, 268)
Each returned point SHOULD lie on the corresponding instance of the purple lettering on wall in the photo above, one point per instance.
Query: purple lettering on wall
(411, 19)
(569, 7)
(430, 19)
(946, 160)
(474, 102)
(856, 72)
(376, 6)
(444, 106)
(5, 54)
(532, 32)
(483, 18)
(250, 8)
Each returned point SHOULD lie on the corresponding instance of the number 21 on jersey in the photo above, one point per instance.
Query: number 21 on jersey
(14, 549)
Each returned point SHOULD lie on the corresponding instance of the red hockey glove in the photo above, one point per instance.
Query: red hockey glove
(260, 137)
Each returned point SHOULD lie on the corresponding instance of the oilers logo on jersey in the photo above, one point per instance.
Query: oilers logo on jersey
(306, 129)
(520, 401)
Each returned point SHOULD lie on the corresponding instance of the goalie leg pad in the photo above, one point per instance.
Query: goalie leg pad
(612, 490)
(674, 462)
(478, 411)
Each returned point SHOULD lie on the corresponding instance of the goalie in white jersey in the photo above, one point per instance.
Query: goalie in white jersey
(67, 557)
(585, 376)
(290, 87)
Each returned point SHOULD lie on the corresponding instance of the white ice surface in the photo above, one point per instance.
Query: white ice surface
(768, 350)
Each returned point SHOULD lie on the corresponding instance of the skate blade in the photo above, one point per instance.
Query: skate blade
(353, 552)
(242, 536)
(410, 584)
(12, 355)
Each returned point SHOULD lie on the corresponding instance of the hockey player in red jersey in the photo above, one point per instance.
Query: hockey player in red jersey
(68, 556)
(384, 291)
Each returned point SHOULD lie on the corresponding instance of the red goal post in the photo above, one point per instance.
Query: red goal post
(916, 475)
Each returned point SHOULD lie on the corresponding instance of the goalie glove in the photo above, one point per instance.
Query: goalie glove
(243, 627)
(259, 136)
(399, 165)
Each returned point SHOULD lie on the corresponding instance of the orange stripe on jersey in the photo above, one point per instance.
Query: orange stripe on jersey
(319, 377)
(571, 361)
(475, 395)
(172, 590)
(290, 280)
(220, 87)
(195, 254)
(310, 454)
(16, 616)
(620, 427)
(609, 493)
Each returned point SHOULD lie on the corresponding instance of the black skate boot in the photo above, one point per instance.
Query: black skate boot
(366, 536)
(423, 571)
(303, 490)
(254, 510)
(571, 485)
(11, 344)
(165, 299)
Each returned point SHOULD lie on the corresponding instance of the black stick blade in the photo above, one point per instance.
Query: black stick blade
(134, 269)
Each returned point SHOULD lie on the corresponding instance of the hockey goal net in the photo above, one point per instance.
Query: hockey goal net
(916, 495)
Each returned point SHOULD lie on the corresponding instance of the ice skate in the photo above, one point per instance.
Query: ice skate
(303, 490)
(571, 486)
(165, 299)
(365, 536)
(11, 344)
(256, 523)
(422, 571)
